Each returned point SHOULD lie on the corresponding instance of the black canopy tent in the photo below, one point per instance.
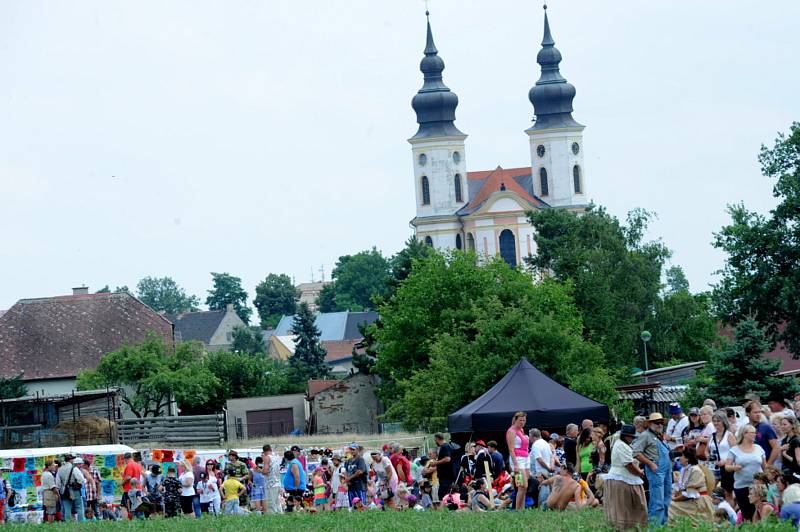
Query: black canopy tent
(524, 388)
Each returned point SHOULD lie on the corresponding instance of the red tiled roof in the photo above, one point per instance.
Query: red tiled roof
(495, 179)
(316, 386)
(57, 337)
(338, 349)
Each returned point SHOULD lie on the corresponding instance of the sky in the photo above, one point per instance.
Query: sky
(252, 137)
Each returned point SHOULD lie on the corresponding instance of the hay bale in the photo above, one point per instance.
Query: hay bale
(88, 430)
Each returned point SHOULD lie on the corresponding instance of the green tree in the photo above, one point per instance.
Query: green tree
(243, 375)
(275, 296)
(616, 274)
(12, 387)
(154, 374)
(676, 280)
(228, 291)
(326, 300)
(454, 327)
(359, 278)
(402, 262)
(248, 340)
(741, 369)
(107, 290)
(761, 277)
(163, 294)
(684, 329)
(308, 360)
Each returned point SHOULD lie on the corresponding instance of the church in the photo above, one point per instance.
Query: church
(484, 211)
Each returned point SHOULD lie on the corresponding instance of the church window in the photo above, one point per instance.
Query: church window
(543, 182)
(540, 150)
(429, 241)
(576, 178)
(459, 245)
(459, 196)
(423, 159)
(456, 157)
(426, 191)
(470, 242)
(508, 247)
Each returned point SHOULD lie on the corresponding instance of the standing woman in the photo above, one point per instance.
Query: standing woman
(790, 446)
(467, 465)
(722, 441)
(745, 460)
(187, 489)
(624, 501)
(585, 449)
(517, 443)
(272, 471)
(213, 486)
(259, 483)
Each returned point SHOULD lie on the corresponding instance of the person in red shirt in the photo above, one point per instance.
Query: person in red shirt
(401, 464)
(131, 480)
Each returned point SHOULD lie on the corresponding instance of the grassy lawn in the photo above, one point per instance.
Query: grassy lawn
(389, 521)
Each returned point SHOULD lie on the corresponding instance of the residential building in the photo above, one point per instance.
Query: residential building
(344, 406)
(214, 328)
(309, 292)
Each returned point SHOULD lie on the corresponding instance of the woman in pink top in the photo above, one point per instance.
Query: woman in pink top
(517, 443)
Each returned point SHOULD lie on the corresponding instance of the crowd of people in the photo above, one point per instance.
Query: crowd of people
(709, 464)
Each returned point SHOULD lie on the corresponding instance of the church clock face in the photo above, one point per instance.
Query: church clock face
(540, 150)
(456, 157)
(576, 148)
(423, 159)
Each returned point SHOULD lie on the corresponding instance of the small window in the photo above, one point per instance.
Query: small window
(429, 241)
(540, 150)
(470, 242)
(459, 196)
(576, 178)
(229, 337)
(543, 182)
(423, 159)
(576, 148)
(458, 242)
(426, 191)
(456, 157)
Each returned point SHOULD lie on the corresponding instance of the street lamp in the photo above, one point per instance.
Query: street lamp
(645, 336)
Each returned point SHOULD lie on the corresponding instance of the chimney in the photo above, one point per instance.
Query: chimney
(80, 290)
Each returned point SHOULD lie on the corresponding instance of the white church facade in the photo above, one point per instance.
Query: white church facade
(484, 211)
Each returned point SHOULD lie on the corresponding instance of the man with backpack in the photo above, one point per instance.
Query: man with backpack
(69, 481)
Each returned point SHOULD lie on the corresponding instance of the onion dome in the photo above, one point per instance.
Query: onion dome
(552, 95)
(435, 104)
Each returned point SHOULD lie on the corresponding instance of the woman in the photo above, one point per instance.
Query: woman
(272, 468)
(599, 454)
(187, 489)
(744, 461)
(758, 498)
(213, 482)
(690, 498)
(693, 429)
(386, 476)
(790, 446)
(258, 481)
(479, 498)
(704, 438)
(718, 450)
(585, 449)
(466, 470)
(776, 421)
(623, 491)
(517, 443)
(557, 447)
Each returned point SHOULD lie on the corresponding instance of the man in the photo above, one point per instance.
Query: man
(571, 444)
(49, 491)
(131, 479)
(587, 424)
(678, 422)
(92, 485)
(444, 465)
(710, 402)
(639, 424)
(483, 461)
(272, 468)
(400, 463)
(70, 480)
(777, 405)
(498, 463)
(239, 470)
(765, 434)
(624, 501)
(541, 458)
(197, 470)
(356, 474)
(564, 488)
(651, 451)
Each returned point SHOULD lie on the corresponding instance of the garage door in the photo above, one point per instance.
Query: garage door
(274, 422)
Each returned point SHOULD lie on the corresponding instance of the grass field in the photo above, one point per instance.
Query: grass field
(389, 521)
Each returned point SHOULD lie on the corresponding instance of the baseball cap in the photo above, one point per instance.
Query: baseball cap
(295, 448)
(694, 411)
(481, 443)
(554, 437)
(353, 445)
(675, 408)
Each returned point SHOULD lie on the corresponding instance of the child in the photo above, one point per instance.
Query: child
(721, 505)
(426, 500)
(231, 490)
(320, 498)
(172, 493)
(358, 506)
(342, 500)
(206, 489)
(259, 489)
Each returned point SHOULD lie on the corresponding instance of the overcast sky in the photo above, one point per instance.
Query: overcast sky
(179, 138)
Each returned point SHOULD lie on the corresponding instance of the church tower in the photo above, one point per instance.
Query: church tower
(438, 156)
(556, 139)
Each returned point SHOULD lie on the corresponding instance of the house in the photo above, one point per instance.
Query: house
(50, 340)
(334, 326)
(338, 353)
(214, 328)
(309, 292)
(344, 406)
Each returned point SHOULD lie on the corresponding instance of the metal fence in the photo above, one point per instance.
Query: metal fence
(179, 430)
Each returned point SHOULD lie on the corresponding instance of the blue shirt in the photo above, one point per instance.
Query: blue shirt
(288, 477)
(765, 433)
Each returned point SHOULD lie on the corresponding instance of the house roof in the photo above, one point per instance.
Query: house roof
(199, 326)
(333, 326)
(316, 386)
(338, 350)
(484, 183)
(661, 394)
(57, 337)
